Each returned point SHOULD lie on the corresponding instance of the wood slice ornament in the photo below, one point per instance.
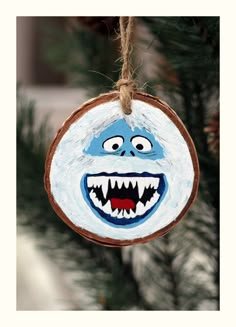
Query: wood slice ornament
(120, 179)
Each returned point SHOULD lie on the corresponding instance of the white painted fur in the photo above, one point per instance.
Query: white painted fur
(69, 164)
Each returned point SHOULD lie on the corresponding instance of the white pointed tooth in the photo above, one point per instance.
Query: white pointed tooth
(140, 209)
(95, 200)
(147, 182)
(152, 182)
(107, 207)
(95, 181)
(155, 198)
(126, 182)
(113, 181)
(155, 182)
(105, 187)
(90, 181)
(100, 180)
(133, 181)
(141, 186)
(132, 214)
(92, 195)
(97, 203)
(121, 214)
(114, 213)
(148, 205)
(100, 204)
(120, 182)
(126, 214)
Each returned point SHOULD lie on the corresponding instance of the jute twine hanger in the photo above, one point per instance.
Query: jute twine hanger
(126, 85)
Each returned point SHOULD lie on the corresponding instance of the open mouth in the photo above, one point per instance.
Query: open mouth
(124, 199)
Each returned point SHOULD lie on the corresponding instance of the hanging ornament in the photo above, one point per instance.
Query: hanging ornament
(122, 169)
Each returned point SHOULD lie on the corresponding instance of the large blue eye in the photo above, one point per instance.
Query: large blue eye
(113, 144)
(142, 144)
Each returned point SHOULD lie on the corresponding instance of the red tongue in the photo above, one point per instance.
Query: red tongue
(127, 204)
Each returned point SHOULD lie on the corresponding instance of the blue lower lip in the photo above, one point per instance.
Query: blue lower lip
(124, 222)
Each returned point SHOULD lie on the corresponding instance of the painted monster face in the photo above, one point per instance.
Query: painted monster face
(122, 179)
(124, 199)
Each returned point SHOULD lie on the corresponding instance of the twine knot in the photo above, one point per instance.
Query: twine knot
(126, 87)
(127, 83)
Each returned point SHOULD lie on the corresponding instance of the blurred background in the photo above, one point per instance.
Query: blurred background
(62, 62)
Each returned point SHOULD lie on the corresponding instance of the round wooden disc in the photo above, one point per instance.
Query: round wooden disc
(122, 179)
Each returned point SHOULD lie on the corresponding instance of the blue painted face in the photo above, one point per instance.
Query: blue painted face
(124, 200)
(120, 140)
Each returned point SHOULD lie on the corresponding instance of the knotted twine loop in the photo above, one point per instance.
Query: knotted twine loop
(126, 85)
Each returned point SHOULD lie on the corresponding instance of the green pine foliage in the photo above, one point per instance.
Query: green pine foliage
(87, 58)
(179, 271)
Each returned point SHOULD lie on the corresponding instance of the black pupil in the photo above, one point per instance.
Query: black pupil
(115, 146)
(139, 146)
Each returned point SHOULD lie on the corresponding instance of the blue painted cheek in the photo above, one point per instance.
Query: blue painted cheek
(120, 140)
